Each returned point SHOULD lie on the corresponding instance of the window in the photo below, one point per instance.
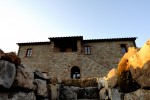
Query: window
(87, 50)
(123, 48)
(29, 52)
(75, 72)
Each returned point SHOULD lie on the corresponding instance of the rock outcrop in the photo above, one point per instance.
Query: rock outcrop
(111, 79)
(1, 53)
(108, 88)
(41, 87)
(24, 79)
(7, 74)
(140, 66)
(18, 83)
(125, 81)
(134, 69)
(38, 75)
(17, 96)
(133, 77)
(140, 94)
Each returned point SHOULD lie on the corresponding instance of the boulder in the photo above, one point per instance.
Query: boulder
(91, 93)
(7, 74)
(81, 93)
(125, 81)
(124, 65)
(67, 94)
(23, 96)
(114, 94)
(140, 94)
(1, 53)
(41, 87)
(24, 79)
(74, 88)
(17, 96)
(141, 57)
(144, 54)
(101, 82)
(4, 95)
(38, 75)
(54, 91)
(87, 92)
(140, 66)
(142, 75)
(103, 94)
(111, 79)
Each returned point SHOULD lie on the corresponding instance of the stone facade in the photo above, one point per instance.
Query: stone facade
(58, 56)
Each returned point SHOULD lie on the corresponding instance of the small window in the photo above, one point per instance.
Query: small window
(87, 50)
(29, 52)
(123, 48)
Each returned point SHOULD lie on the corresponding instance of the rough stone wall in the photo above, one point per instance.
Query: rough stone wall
(39, 58)
(108, 53)
(61, 64)
(104, 56)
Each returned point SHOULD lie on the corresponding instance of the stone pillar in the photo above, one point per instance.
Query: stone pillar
(79, 46)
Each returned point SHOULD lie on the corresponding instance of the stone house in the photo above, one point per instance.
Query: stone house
(74, 57)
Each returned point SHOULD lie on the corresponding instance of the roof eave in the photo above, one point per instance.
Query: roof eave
(34, 43)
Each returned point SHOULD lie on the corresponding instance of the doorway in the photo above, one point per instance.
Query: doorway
(75, 72)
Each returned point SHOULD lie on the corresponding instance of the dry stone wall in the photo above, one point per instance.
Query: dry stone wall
(18, 83)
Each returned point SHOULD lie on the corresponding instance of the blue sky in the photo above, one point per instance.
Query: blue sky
(36, 20)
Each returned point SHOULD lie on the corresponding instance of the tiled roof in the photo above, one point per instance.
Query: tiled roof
(111, 39)
(35, 43)
(80, 37)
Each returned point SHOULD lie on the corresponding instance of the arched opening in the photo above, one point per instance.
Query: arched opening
(75, 72)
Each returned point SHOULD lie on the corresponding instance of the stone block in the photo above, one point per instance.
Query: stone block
(7, 74)
(140, 94)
